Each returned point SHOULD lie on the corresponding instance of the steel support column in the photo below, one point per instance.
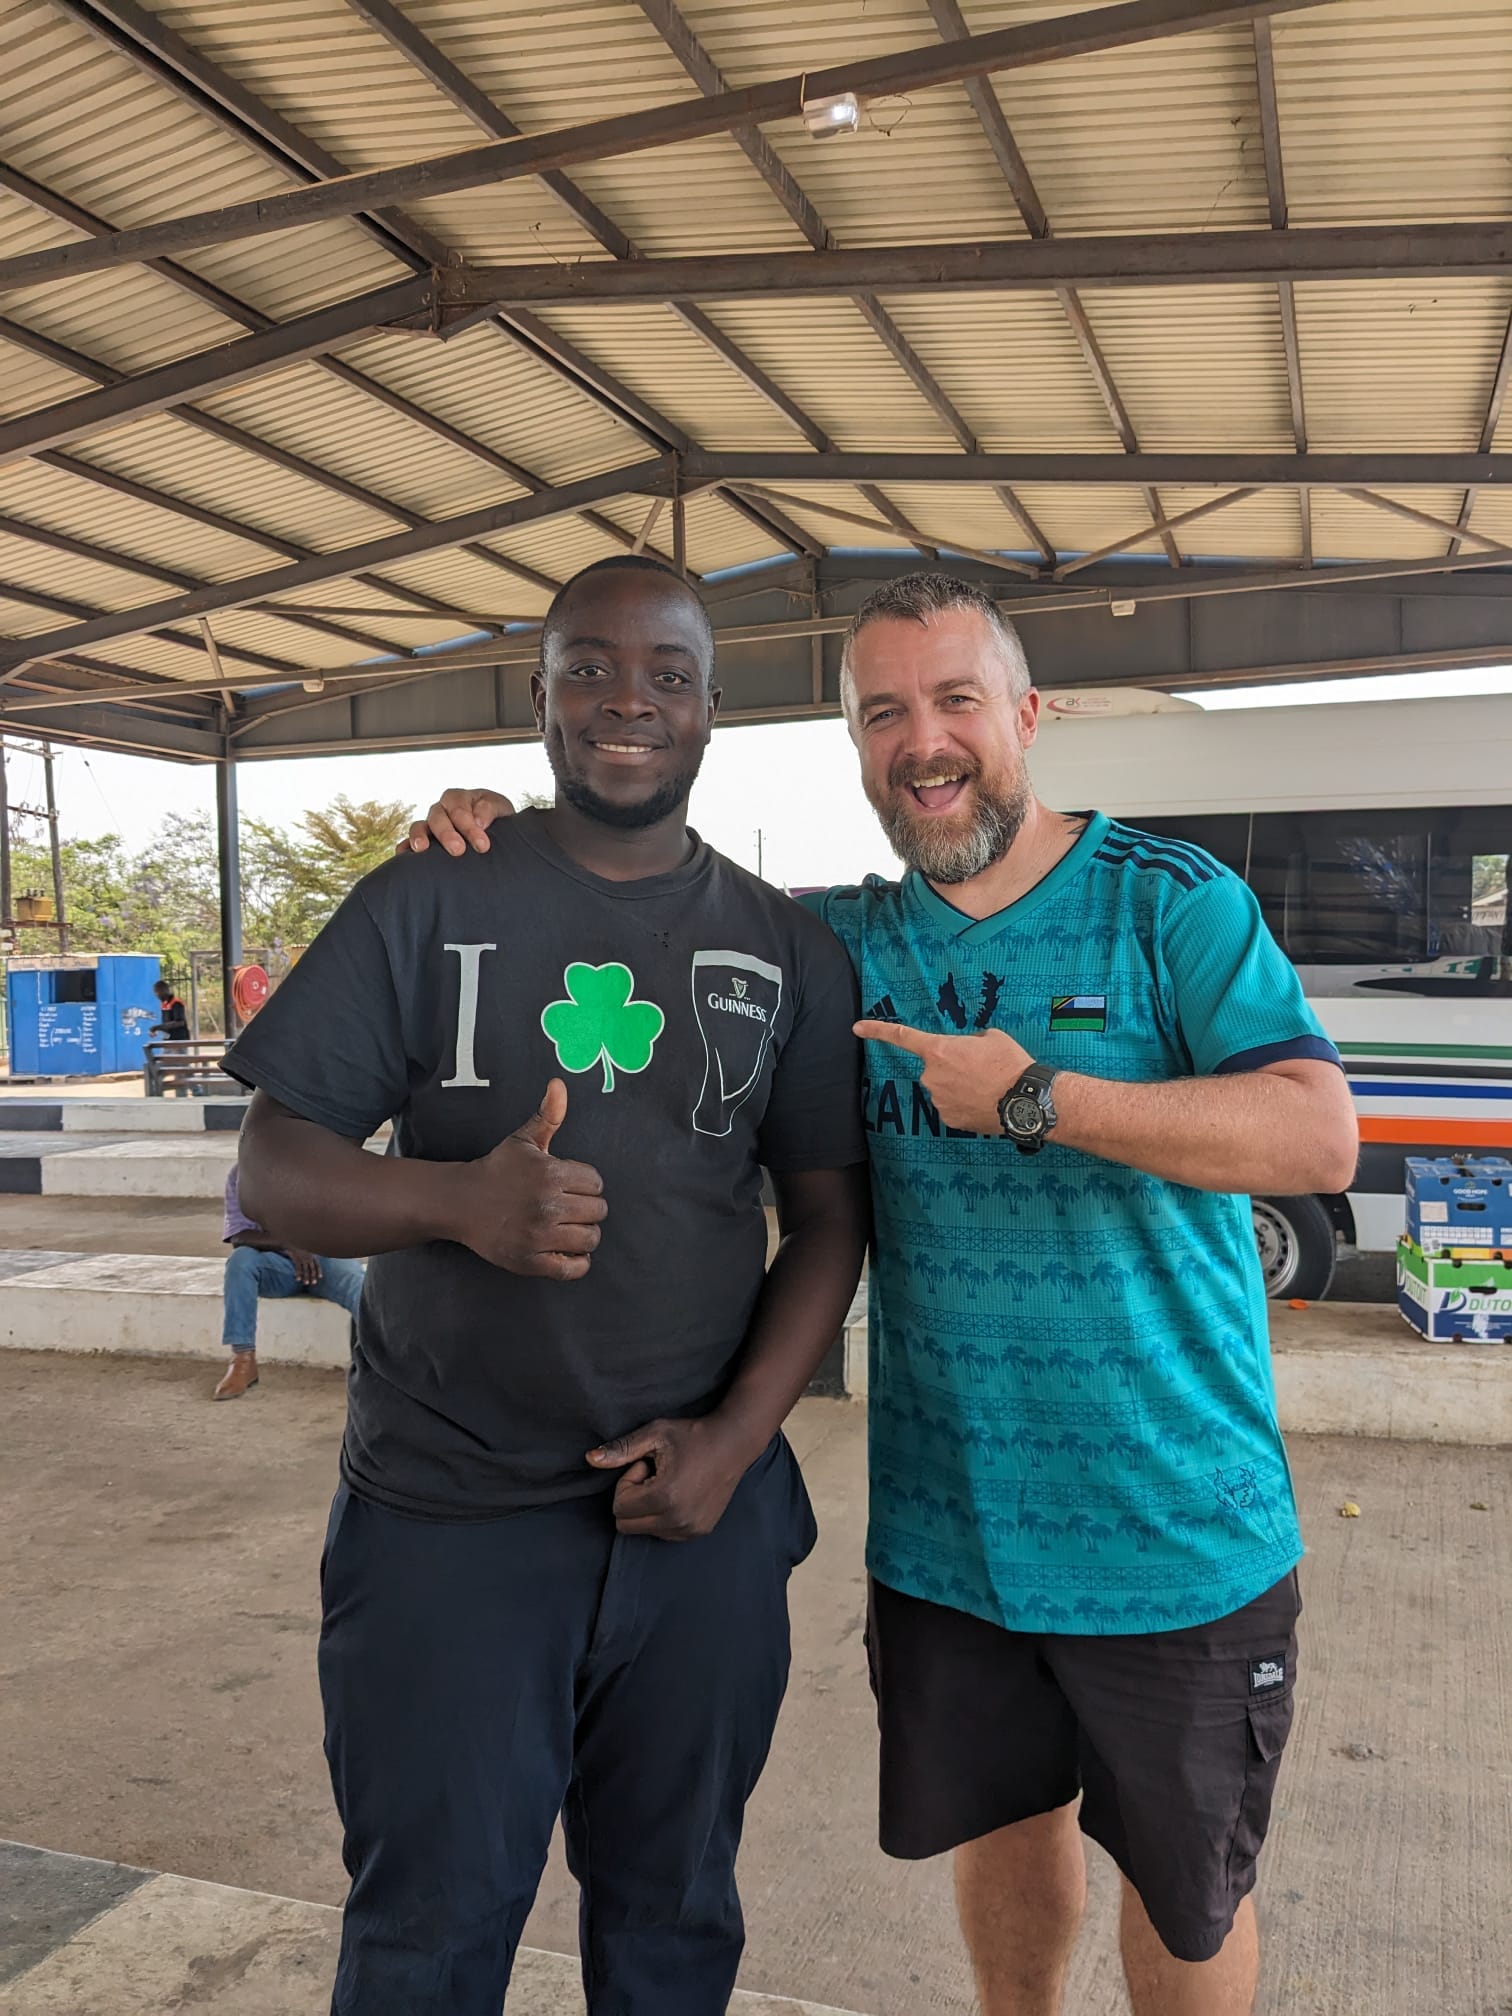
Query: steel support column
(228, 850)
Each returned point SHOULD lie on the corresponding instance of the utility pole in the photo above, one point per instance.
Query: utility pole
(759, 871)
(229, 836)
(6, 909)
(57, 857)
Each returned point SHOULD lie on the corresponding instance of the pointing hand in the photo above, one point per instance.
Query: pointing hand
(965, 1076)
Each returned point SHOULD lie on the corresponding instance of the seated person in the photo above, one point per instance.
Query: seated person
(260, 1266)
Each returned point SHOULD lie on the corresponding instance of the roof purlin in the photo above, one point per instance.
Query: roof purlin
(669, 22)
(429, 537)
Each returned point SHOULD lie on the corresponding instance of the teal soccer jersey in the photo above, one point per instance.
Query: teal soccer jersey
(1072, 1416)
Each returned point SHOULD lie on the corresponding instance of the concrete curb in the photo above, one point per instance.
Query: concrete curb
(86, 1938)
(149, 1305)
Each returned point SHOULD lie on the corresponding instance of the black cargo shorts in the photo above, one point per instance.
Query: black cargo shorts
(1172, 1738)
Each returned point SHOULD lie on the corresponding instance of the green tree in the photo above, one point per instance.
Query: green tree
(293, 880)
(346, 841)
(166, 899)
(1488, 876)
(96, 876)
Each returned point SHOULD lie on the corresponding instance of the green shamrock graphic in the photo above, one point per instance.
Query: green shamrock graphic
(599, 1020)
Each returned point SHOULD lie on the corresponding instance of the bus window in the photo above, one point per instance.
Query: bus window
(1408, 901)
(1419, 895)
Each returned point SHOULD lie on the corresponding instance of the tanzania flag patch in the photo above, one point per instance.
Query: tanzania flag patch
(1079, 1011)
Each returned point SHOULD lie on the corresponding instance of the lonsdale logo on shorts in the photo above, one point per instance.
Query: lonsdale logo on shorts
(600, 1022)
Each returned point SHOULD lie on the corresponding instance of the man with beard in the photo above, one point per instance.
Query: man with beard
(555, 1575)
(1083, 1050)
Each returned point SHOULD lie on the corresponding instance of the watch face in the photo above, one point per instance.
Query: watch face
(1025, 1115)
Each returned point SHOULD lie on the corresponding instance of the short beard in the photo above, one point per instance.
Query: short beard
(948, 856)
(580, 795)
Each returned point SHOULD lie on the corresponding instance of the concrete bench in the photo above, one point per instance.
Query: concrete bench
(175, 1165)
(122, 1116)
(1348, 1368)
(151, 1306)
(171, 1164)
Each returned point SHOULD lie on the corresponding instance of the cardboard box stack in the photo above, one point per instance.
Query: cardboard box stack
(1454, 1264)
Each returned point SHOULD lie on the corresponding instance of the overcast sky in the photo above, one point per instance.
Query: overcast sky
(795, 782)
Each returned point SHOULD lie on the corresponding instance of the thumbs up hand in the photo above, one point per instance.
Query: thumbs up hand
(533, 1213)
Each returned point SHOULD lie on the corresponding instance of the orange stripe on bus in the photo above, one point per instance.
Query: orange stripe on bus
(1446, 1133)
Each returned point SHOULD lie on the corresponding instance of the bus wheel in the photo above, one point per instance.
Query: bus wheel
(1295, 1236)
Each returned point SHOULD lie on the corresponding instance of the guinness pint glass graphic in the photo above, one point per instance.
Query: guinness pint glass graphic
(736, 999)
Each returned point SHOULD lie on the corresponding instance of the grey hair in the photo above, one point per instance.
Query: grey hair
(915, 598)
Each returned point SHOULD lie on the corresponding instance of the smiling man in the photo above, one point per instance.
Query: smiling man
(1083, 1049)
(555, 1577)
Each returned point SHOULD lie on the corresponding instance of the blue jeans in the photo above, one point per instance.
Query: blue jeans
(251, 1274)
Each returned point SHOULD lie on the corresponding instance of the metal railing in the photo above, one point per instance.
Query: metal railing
(180, 1069)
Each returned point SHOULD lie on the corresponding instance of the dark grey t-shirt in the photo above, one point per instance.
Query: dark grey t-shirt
(702, 1025)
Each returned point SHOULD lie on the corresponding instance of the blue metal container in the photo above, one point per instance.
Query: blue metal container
(80, 1017)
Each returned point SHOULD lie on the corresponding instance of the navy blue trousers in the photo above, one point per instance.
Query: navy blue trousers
(480, 1679)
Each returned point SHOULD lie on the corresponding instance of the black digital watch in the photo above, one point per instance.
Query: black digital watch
(1027, 1110)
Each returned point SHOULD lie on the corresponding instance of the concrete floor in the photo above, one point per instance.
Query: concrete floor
(87, 1938)
(186, 1225)
(156, 1664)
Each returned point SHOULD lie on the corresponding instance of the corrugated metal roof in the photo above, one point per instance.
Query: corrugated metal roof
(1345, 529)
(182, 462)
(821, 352)
(26, 564)
(1011, 366)
(1161, 136)
(321, 418)
(661, 359)
(487, 384)
(459, 577)
(1263, 527)
(56, 501)
(578, 59)
(1400, 364)
(1078, 518)
(1198, 367)
(1392, 110)
(29, 382)
(1389, 109)
(81, 118)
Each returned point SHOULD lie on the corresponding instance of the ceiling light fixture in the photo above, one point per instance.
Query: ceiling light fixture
(825, 118)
